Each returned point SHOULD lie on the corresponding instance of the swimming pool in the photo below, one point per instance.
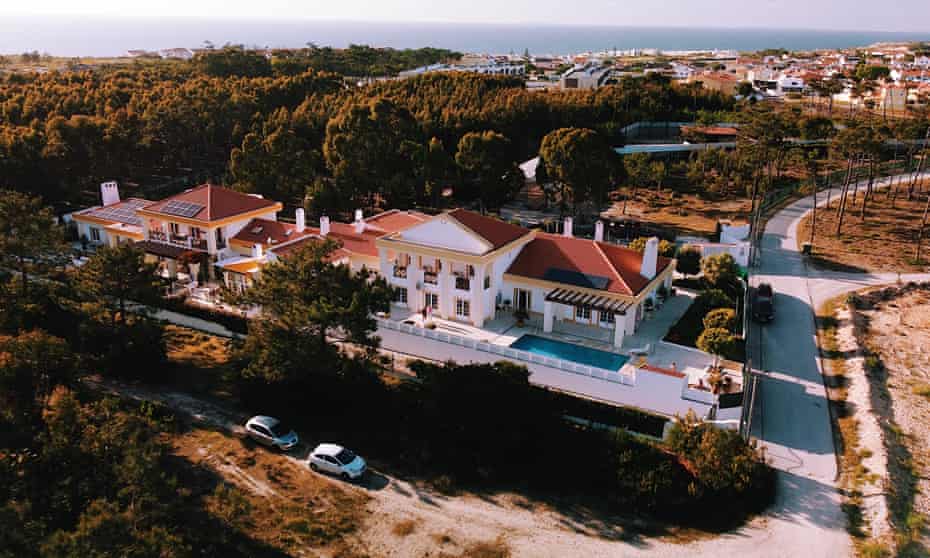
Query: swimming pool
(567, 351)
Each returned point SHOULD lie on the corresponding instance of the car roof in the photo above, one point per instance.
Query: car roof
(328, 449)
(266, 421)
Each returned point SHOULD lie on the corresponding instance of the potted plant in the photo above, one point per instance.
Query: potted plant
(521, 315)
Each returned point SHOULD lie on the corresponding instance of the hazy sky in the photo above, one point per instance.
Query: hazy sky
(891, 15)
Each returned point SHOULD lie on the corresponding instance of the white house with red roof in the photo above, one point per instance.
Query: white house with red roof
(466, 267)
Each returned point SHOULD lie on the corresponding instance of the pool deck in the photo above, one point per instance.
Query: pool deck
(669, 380)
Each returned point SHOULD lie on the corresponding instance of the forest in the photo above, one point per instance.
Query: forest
(292, 133)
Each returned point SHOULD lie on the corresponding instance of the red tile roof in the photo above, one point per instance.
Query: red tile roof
(258, 231)
(621, 266)
(496, 232)
(218, 203)
(396, 220)
(349, 241)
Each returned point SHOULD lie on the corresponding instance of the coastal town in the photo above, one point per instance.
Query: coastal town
(414, 302)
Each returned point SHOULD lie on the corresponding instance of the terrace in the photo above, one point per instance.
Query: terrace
(645, 372)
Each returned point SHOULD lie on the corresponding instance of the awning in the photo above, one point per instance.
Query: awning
(569, 297)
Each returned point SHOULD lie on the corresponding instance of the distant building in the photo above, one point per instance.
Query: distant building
(142, 54)
(490, 68)
(177, 53)
(590, 76)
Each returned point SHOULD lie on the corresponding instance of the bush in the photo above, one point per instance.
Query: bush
(726, 468)
(712, 299)
(722, 318)
(720, 270)
(717, 341)
(689, 261)
(666, 248)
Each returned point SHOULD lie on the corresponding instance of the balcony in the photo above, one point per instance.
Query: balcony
(462, 283)
(430, 277)
(400, 272)
(178, 240)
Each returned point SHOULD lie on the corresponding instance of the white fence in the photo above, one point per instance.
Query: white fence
(511, 354)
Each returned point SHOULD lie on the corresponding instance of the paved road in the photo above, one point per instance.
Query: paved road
(792, 419)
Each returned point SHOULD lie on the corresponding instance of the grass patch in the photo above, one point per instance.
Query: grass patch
(200, 363)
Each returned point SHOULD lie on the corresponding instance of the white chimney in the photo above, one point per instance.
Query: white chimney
(359, 222)
(599, 231)
(650, 258)
(324, 225)
(257, 251)
(301, 219)
(109, 193)
(567, 228)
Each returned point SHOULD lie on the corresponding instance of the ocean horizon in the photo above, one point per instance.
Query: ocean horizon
(109, 36)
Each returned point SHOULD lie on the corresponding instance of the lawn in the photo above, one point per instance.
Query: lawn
(883, 241)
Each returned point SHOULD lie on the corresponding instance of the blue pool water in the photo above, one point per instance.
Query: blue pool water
(567, 351)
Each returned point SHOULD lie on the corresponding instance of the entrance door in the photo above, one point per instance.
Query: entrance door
(522, 300)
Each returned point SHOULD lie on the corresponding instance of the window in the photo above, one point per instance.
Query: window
(95, 234)
(462, 307)
(487, 282)
(583, 312)
(400, 295)
(220, 239)
(196, 232)
(607, 317)
(175, 228)
(432, 300)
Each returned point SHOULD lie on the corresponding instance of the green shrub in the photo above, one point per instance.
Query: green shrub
(712, 299)
(689, 261)
(721, 271)
(717, 341)
(722, 318)
(666, 248)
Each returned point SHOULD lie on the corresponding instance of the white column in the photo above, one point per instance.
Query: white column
(384, 265)
(478, 294)
(446, 302)
(630, 320)
(211, 241)
(547, 317)
(619, 326)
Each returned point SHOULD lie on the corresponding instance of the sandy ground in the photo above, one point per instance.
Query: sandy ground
(899, 330)
(870, 443)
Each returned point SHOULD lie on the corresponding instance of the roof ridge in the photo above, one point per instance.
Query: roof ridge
(610, 264)
(209, 202)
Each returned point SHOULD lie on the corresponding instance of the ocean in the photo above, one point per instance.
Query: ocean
(102, 36)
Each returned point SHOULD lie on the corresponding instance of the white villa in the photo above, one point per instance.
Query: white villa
(465, 267)
(585, 316)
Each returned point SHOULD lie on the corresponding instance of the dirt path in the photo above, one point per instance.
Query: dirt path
(404, 519)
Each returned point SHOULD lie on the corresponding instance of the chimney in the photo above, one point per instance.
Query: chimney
(257, 251)
(359, 222)
(567, 228)
(109, 193)
(650, 259)
(599, 231)
(301, 219)
(324, 226)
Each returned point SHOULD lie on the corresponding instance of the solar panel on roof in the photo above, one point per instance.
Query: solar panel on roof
(576, 278)
(182, 208)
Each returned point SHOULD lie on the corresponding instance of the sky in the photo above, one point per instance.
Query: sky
(891, 15)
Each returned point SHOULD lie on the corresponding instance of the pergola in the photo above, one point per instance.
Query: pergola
(570, 297)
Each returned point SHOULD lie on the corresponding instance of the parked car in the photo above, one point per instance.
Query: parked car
(271, 432)
(337, 460)
(763, 303)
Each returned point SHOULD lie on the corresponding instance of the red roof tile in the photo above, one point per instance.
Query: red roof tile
(218, 203)
(258, 231)
(621, 266)
(396, 220)
(496, 232)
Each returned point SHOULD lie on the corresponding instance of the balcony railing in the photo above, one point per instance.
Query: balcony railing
(463, 283)
(178, 240)
(400, 272)
(430, 277)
